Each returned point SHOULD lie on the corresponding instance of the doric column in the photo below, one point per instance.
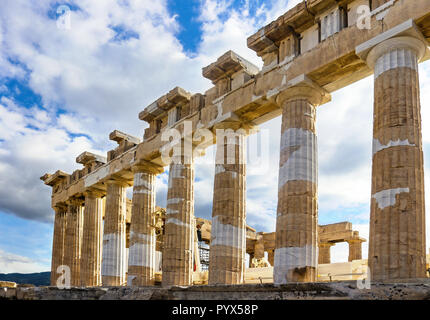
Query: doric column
(297, 216)
(354, 249)
(141, 257)
(58, 242)
(251, 256)
(197, 264)
(324, 256)
(397, 217)
(114, 262)
(271, 257)
(177, 260)
(92, 240)
(259, 247)
(73, 241)
(228, 235)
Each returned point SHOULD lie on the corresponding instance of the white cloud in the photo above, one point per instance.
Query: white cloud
(12, 263)
(31, 148)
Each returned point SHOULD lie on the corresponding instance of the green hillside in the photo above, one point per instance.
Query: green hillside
(37, 279)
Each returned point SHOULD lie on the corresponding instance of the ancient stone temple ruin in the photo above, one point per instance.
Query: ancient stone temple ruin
(314, 49)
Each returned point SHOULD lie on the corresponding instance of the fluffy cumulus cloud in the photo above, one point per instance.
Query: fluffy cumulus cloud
(120, 55)
(12, 263)
(92, 74)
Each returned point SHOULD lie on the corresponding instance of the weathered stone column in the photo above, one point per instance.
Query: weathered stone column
(92, 240)
(397, 217)
(73, 241)
(197, 265)
(271, 257)
(141, 257)
(354, 249)
(58, 248)
(297, 217)
(259, 247)
(228, 236)
(251, 256)
(114, 235)
(324, 256)
(177, 260)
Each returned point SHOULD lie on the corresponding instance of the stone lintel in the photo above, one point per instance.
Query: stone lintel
(173, 98)
(87, 158)
(53, 179)
(405, 29)
(177, 96)
(294, 20)
(119, 137)
(151, 112)
(335, 227)
(226, 65)
(300, 87)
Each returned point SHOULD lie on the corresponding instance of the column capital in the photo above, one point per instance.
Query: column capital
(302, 87)
(120, 182)
(389, 45)
(75, 201)
(60, 208)
(231, 121)
(94, 193)
(326, 244)
(147, 167)
(359, 240)
(403, 36)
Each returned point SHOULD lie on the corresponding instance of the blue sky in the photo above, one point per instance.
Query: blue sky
(190, 27)
(63, 90)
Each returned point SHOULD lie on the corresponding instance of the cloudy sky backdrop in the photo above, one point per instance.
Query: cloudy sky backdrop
(63, 91)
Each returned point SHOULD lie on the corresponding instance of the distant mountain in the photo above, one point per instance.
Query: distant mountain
(38, 279)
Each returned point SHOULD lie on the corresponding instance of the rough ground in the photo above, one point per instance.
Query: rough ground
(418, 290)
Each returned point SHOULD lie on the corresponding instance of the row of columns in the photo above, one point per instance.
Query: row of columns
(397, 235)
(78, 241)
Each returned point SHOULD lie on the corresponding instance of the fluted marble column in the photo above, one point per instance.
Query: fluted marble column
(177, 261)
(73, 241)
(58, 248)
(397, 218)
(296, 250)
(141, 257)
(228, 235)
(114, 262)
(92, 240)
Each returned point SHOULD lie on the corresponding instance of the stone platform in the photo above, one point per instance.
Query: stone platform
(345, 290)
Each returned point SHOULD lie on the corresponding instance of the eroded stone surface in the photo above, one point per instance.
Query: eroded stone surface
(293, 291)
